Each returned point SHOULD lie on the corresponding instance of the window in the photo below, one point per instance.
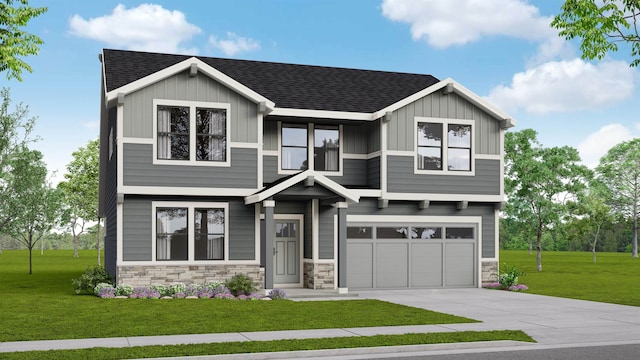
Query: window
(320, 151)
(186, 233)
(191, 132)
(440, 152)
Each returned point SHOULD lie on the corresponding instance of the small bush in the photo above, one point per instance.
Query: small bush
(277, 294)
(93, 276)
(241, 284)
(101, 286)
(124, 290)
(509, 276)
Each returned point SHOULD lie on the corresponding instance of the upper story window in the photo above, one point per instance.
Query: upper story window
(310, 146)
(439, 152)
(190, 232)
(191, 133)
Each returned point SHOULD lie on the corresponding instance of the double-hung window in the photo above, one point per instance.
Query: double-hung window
(444, 145)
(195, 232)
(310, 146)
(191, 132)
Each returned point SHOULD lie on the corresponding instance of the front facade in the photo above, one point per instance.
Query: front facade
(298, 176)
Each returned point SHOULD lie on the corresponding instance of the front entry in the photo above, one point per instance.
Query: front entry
(286, 259)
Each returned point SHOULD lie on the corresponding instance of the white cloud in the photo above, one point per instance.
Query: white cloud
(597, 144)
(147, 27)
(233, 44)
(562, 86)
(457, 22)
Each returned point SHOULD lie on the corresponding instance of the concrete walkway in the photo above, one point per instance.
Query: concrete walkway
(550, 321)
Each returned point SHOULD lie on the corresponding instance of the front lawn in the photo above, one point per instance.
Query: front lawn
(44, 306)
(614, 278)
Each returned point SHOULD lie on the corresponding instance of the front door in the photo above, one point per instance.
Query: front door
(287, 252)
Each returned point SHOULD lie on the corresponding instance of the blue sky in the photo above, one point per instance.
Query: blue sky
(503, 50)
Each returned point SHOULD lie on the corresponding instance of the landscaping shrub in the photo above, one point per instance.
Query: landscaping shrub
(509, 276)
(93, 276)
(241, 284)
(277, 294)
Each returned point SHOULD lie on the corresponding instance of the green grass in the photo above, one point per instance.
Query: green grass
(614, 278)
(43, 306)
(269, 346)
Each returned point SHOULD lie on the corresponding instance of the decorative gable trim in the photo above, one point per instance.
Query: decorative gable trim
(188, 64)
(449, 85)
(298, 178)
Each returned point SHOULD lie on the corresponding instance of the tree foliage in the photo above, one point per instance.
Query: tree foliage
(81, 189)
(539, 181)
(15, 42)
(601, 25)
(15, 132)
(619, 171)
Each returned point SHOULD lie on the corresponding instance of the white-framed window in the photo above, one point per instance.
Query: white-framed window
(444, 146)
(191, 133)
(310, 146)
(190, 232)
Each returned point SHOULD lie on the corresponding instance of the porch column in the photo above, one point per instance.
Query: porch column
(270, 231)
(342, 247)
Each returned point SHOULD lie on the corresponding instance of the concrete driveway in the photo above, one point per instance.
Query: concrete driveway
(549, 320)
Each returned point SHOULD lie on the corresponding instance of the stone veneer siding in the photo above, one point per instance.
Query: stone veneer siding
(489, 271)
(318, 276)
(145, 275)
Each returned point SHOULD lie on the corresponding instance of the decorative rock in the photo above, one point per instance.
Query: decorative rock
(191, 297)
(166, 297)
(121, 297)
(265, 298)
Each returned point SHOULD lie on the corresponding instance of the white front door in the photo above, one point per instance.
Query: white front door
(287, 252)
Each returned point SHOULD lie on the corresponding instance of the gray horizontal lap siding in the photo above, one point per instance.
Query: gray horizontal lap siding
(407, 208)
(402, 179)
(401, 129)
(139, 170)
(137, 228)
(138, 107)
(111, 208)
(354, 173)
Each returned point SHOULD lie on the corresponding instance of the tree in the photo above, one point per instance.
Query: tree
(14, 42)
(539, 181)
(619, 171)
(39, 208)
(601, 25)
(594, 213)
(81, 191)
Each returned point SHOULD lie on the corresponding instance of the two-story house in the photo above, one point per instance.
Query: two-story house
(299, 176)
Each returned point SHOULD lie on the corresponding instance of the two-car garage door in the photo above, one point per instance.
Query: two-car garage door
(384, 256)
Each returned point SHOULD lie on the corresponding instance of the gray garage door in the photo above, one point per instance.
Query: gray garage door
(411, 256)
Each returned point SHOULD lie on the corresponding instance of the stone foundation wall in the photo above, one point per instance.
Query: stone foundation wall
(489, 271)
(318, 276)
(145, 275)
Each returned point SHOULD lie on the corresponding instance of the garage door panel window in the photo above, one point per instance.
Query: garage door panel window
(459, 233)
(426, 233)
(392, 232)
(359, 232)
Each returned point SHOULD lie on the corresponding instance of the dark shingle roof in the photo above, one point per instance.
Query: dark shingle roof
(287, 85)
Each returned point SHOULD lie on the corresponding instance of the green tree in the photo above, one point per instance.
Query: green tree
(594, 213)
(539, 181)
(15, 42)
(619, 171)
(15, 132)
(39, 208)
(601, 25)
(81, 191)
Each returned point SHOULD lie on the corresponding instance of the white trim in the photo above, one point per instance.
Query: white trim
(335, 251)
(400, 153)
(322, 114)
(260, 145)
(192, 191)
(367, 156)
(311, 127)
(413, 219)
(315, 229)
(161, 263)
(270, 153)
(184, 65)
(120, 146)
(502, 131)
(190, 235)
(300, 219)
(268, 204)
(244, 145)
(137, 140)
(383, 157)
(367, 193)
(319, 178)
(489, 156)
(444, 197)
(192, 105)
(444, 146)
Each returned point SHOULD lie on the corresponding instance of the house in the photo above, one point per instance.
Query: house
(298, 176)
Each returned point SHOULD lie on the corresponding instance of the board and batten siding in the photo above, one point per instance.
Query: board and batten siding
(138, 106)
(368, 206)
(325, 232)
(402, 179)
(139, 170)
(401, 129)
(138, 235)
